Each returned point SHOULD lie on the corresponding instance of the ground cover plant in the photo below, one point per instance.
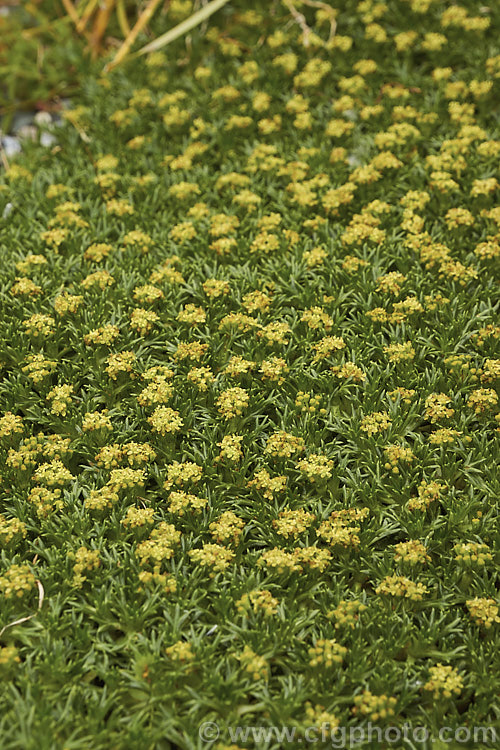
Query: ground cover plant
(249, 386)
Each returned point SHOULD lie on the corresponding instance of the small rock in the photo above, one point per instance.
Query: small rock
(46, 139)
(10, 145)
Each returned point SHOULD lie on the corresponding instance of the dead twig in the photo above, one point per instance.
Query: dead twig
(300, 19)
(143, 19)
(100, 25)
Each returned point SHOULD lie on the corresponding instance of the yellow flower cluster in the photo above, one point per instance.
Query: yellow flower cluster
(411, 552)
(341, 528)
(396, 453)
(428, 492)
(11, 528)
(86, 560)
(482, 400)
(165, 420)
(96, 420)
(401, 587)
(346, 613)
(38, 367)
(316, 467)
(9, 657)
(60, 396)
(232, 402)
(181, 652)
(254, 664)
(17, 581)
(443, 682)
(180, 502)
(230, 448)
(159, 546)
(483, 611)
(282, 444)
(121, 362)
(326, 652)
(473, 553)
(45, 501)
(375, 707)
(104, 335)
(227, 528)
(181, 473)
(213, 556)
(375, 422)
(293, 522)
(10, 424)
(53, 474)
(266, 484)
(257, 601)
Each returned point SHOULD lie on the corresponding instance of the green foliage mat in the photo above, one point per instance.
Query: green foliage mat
(249, 386)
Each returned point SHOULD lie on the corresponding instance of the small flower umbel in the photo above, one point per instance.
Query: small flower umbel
(212, 556)
(259, 600)
(483, 611)
(400, 586)
(232, 402)
(181, 654)
(346, 613)
(86, 560)
(326, 652)
(230, 449)
(10, 424)
(253, 664)
(375, 707)
(473, 553)
(411, 553)
(316, 467)
(17, 581)
(444, 682)
(375, 422)
(165, 420)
